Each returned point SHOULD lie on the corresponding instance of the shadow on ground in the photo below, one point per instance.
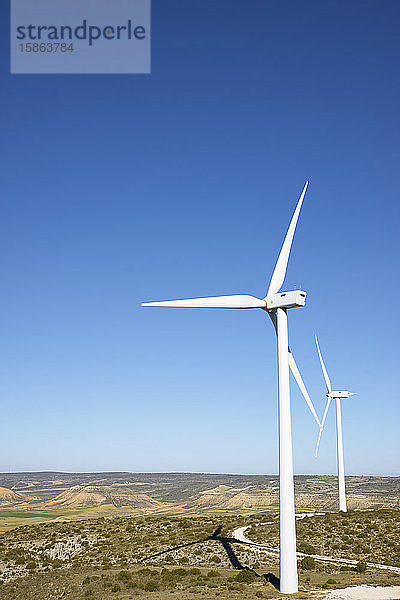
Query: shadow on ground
(226, 543)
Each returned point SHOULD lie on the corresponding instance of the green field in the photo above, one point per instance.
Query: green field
(11, 519)
(6, 513)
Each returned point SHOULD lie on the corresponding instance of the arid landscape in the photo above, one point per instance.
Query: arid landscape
(125, 535)
(47, 496)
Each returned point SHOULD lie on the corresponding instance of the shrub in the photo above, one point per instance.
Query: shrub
(151, 586)
(215, 559)
(308, 563)
(124, 576)
(306, 548)
(245, 576)
(212, 573)
(57, 562)
(361, 566)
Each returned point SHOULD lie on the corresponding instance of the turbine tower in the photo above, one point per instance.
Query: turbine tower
(276, 305)
(336, 395)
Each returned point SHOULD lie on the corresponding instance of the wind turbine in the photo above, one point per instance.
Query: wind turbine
(276, 305)
(336, 395)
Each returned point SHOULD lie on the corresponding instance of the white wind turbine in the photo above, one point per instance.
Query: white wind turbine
(336, 395)
(276, 305)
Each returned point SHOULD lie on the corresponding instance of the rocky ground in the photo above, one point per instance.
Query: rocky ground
(183, 557)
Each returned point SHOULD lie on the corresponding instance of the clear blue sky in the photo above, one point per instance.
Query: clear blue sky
(121, 189)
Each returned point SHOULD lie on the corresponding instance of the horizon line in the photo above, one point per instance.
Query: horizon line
(395, 474)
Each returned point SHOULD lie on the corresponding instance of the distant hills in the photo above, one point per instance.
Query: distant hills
(186, 492)
(96, 495)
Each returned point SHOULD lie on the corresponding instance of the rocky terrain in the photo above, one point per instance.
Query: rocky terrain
(168, 536)
(176, 558)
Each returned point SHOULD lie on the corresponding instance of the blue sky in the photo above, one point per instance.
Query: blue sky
(122, 189)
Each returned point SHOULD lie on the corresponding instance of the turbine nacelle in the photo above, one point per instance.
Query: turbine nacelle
(340, 394)
(293, 299)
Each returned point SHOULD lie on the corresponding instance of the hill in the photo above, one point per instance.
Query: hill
(99, 495)
(9, 498)
(192, 492)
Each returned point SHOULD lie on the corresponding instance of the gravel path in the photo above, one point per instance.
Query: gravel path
(239, 534)
(364, 592)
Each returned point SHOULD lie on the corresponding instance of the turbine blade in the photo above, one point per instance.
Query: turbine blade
(279, 273)
(322, 423)
(325, 372)
(297, 376)
(318, 441)
(238, 301)
(326, 411)
(300, 383)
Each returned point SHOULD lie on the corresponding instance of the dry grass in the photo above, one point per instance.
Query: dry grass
(103, 558)
(371, 535)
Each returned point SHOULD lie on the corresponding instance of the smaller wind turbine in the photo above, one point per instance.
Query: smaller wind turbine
(336, 395)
